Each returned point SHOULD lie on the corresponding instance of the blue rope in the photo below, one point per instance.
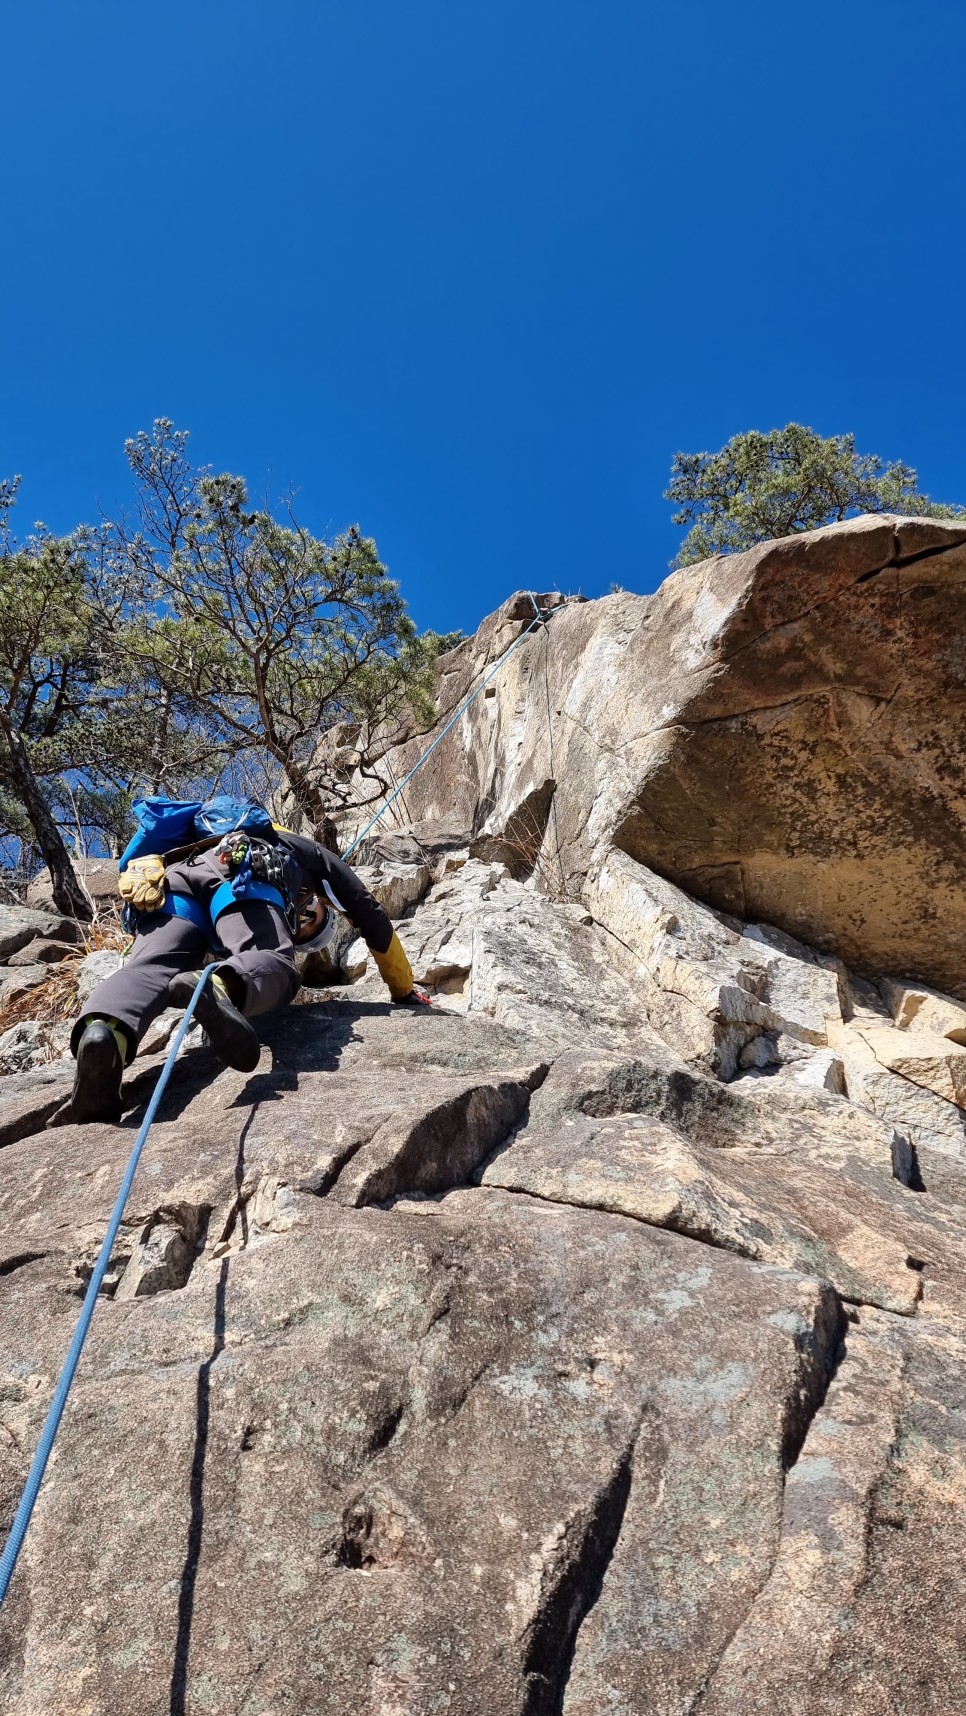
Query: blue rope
(18, 1530)
(451, 723)
(35, 1477)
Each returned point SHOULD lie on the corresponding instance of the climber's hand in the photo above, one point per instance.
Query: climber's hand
(416, 998)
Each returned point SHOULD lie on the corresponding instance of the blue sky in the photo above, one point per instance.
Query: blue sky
(471, 274)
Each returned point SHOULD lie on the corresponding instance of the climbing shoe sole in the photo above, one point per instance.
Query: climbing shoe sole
(228, 1031)
(97, 1082)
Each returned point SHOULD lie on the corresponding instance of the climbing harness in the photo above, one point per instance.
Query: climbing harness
(540, 618)
(256, 871)
(18, 1530)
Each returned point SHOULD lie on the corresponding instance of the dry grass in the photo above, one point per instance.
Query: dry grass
(54, 1001)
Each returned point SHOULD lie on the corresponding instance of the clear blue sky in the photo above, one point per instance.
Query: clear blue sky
(469, 274)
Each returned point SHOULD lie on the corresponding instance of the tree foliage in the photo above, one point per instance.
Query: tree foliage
(759, 486)
(270, 635)
(48, 710)
(200, 640)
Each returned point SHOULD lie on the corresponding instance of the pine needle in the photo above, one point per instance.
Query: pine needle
(54, 1001)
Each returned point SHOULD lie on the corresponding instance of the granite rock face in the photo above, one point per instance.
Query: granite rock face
(590, 1344)
(779, 732)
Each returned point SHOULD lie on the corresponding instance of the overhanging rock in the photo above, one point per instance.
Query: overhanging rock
(780, 732)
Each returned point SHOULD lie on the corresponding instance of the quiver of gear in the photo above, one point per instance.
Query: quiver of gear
(246, 860)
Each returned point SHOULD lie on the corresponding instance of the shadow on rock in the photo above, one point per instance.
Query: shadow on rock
(302, 1040)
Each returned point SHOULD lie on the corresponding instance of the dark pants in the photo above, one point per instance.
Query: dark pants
(254, 935)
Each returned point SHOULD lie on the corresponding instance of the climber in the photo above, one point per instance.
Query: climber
(267, 892)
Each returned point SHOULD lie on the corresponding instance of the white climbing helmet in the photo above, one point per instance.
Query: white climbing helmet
(316, 924)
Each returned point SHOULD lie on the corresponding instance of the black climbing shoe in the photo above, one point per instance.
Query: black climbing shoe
(227, 1030)
(96, 1095)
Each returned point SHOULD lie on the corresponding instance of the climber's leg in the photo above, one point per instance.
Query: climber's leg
(138, 992)
(258, 975)
(104, 1039)
(259, 972)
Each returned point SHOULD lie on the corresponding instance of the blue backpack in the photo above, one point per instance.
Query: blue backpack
(225, 815)
(164, 824)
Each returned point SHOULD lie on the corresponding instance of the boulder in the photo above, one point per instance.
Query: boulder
(354, 959)
(28, 1098)
(18, 981)
(19, 926)
(24, 1046)
(915, 1008)
(98, 875)
(924, 1115)
(927, 1059)
(43, 951)
(93, 970)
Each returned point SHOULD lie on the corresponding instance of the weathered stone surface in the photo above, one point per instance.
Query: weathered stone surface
(19, 980)
(28, 1099)
(42, 952)
(163, 1253)
(353, 1361)
(24, 1046)
(19, 926)
(706, 983)
(577, 1346)
(99, 876)
(822, 1070)
(637, 1401)
(158, 1034)
(93, 970)
(397, 886)
(836, 1211)
(924, 1117)
(835, 1629)
(354, 959)
(927, 1059)
(777, 731)
(434, 1142)
(915, 1008)
(485, 943)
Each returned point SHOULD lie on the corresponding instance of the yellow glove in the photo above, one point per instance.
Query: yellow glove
(395, 969)
(141, 884)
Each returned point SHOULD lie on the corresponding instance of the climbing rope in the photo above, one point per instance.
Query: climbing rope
(35, 1477)
(18, 1530)
(539, 618)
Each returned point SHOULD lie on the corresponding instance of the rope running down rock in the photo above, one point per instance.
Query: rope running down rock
(35, 1477)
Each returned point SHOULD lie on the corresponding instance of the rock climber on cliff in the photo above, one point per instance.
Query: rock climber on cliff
(217, 876)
